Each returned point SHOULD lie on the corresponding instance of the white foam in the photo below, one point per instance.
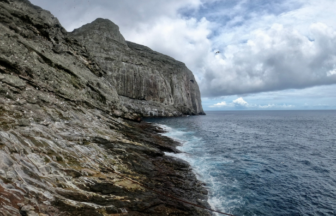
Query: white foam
(203, 167)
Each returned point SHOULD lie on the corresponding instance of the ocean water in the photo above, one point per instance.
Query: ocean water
(262, 162)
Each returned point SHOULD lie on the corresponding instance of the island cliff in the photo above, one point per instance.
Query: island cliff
(67, 142)
(146, 81)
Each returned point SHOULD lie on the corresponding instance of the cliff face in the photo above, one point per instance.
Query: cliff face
(36, 48)
(147, 82)
(63, 144)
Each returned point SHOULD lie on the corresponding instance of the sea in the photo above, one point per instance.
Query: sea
(261, 162)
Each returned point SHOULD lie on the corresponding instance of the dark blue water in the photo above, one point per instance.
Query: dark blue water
(262, 162)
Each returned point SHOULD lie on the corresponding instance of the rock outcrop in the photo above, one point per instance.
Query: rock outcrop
(147, 82)
(64, 133)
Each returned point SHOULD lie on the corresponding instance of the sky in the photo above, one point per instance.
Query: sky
(245, 54)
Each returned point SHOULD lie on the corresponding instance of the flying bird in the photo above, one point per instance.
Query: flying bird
(217, 52)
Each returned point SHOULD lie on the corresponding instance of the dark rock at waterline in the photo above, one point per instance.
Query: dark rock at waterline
(63, 128)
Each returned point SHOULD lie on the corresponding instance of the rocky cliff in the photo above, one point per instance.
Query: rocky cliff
(66, 146)
(147, 82)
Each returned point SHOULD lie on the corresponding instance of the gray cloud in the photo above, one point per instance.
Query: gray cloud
(274, 59)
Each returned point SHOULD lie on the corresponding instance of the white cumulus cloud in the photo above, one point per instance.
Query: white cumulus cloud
(220, 104)
(240, 102)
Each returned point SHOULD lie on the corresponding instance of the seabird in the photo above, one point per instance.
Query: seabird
(217, 52)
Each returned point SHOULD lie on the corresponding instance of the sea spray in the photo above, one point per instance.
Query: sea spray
(204, 166)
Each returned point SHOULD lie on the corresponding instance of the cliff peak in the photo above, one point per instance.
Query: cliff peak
(100, 29)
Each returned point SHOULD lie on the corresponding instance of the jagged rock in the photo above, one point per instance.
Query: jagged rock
(64, 132)
(147, 82)
(28, 210)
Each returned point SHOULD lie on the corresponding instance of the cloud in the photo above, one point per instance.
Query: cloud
(287, 106)
(237, 103)
(266, 106)
(240, 102)
(278, 104)
(274, 59)
(269, 46)
(220, 104)
(314, 98)
(275, 106)
(332, 72)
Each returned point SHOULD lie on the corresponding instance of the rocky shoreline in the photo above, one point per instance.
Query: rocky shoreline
(58, 166)
(65, 131)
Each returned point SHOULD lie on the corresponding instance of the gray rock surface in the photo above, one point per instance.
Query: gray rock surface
(65, 131)
(147, 82)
